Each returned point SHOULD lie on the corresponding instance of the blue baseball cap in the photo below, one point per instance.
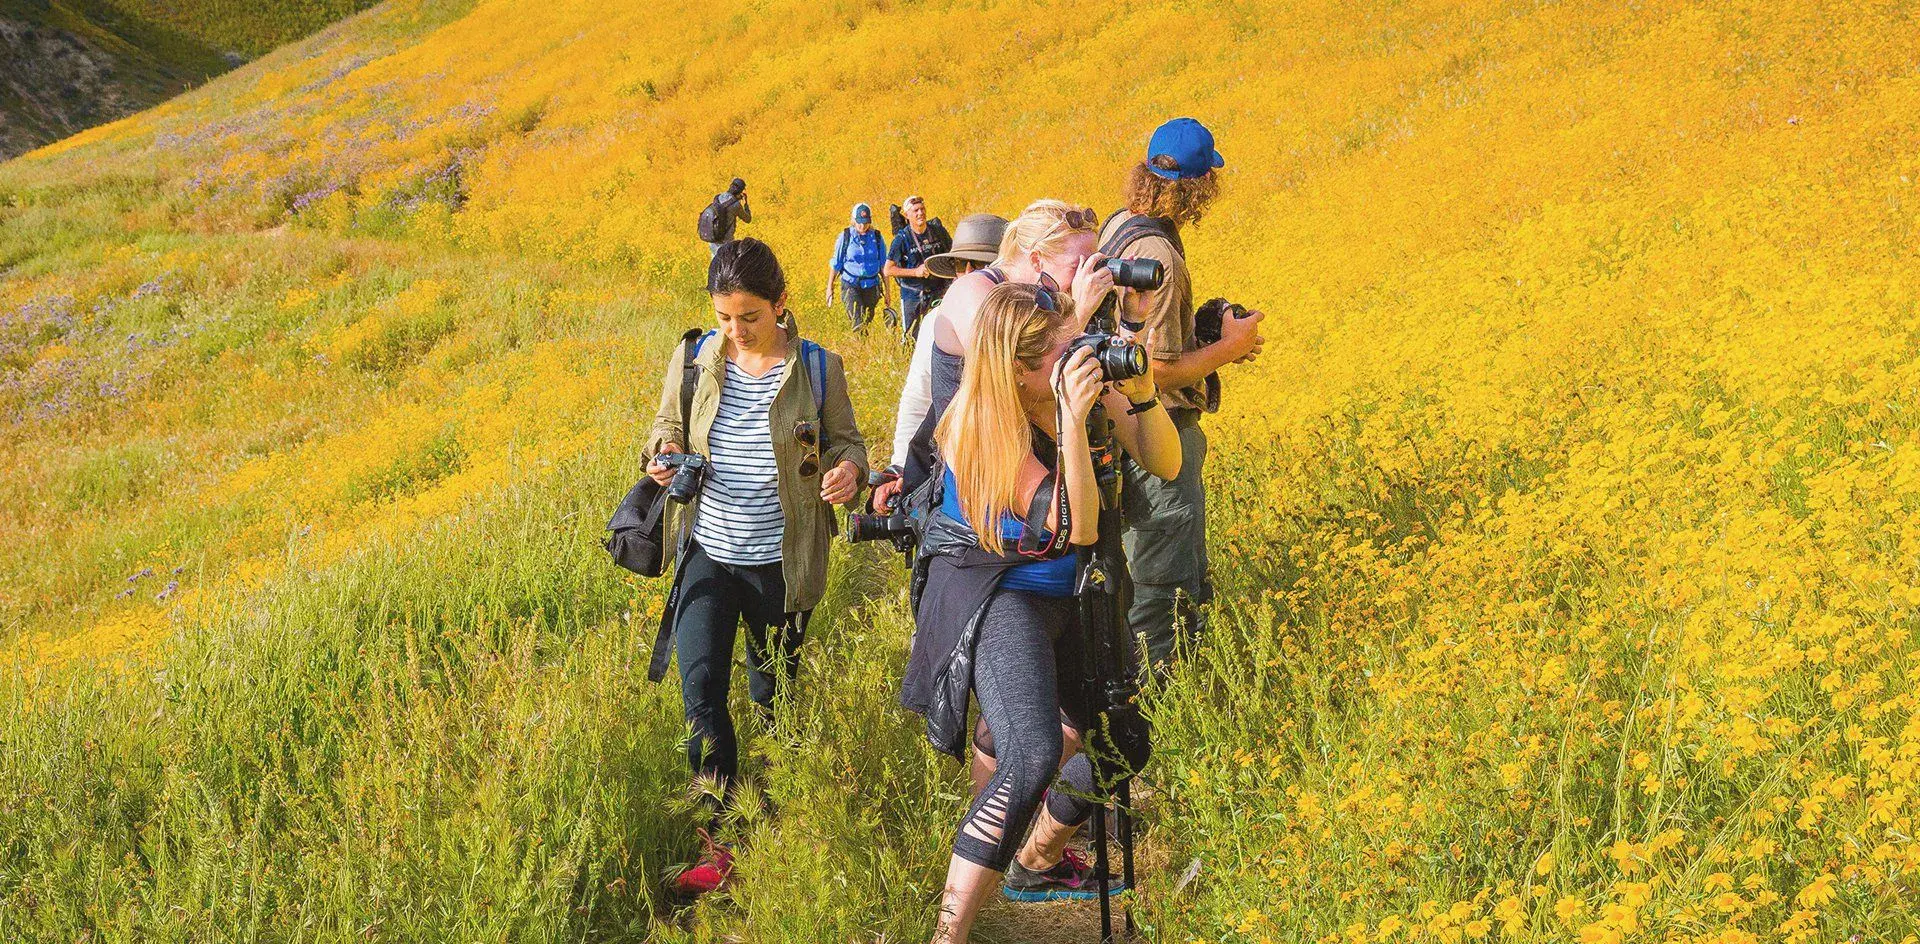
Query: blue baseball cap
(862, 213)
(1190, 145)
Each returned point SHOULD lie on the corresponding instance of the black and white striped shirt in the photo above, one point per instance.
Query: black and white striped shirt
(740, 520)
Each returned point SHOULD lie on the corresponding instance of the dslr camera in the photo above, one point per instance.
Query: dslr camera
(1120, 359)
(1210, 317)
(1142, 274)
(1139, 274)
(688, 469)
(898, 525)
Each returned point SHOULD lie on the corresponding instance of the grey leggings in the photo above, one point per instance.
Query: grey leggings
(1018, 662)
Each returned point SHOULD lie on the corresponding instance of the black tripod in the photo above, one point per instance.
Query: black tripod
(1117, 742)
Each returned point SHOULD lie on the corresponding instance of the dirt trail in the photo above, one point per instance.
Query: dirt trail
(1004, 922)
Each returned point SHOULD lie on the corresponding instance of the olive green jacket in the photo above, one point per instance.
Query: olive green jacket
(810, 523)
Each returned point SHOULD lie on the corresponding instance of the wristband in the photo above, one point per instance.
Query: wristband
(1144, 405)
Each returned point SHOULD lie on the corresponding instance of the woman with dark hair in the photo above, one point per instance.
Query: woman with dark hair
(771, 415)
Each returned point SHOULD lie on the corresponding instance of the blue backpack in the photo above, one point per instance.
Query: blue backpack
(813, 354)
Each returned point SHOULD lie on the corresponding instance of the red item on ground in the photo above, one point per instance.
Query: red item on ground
(708, 874)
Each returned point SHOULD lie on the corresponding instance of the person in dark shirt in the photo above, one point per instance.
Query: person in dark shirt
(729, 208)
(919, 240)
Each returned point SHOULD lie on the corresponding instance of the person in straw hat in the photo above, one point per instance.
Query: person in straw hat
(976, 243)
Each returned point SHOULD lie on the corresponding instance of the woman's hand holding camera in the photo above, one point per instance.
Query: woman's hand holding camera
(1080, 384)
(658, 472)
(1091, 283)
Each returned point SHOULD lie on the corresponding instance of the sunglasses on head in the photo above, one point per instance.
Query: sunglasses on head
(1044, 294)
(1083, 219)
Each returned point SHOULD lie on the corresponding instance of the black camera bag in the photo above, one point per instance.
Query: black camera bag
(636, 541)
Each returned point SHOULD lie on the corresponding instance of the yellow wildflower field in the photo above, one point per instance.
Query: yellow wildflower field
(1567, 532)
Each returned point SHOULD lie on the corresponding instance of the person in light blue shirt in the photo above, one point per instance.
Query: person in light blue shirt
(859, 255)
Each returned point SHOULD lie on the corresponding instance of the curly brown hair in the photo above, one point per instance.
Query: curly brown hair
(1182, 201)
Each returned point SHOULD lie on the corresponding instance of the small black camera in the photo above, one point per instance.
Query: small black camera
(1120, 359)
(688, 469)
(1142, 274)
(1210, 318)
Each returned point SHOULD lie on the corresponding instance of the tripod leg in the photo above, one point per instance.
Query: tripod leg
(1100, 870)
(1125, 813)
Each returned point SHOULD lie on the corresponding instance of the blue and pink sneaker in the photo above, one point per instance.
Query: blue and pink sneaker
(1070, 879)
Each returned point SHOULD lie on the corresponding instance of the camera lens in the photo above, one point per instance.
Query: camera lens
(1122, 360)
(1143, 274)
(891, 527)
(1119, 358)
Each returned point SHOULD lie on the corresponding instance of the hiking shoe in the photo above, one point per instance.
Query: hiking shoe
(708, 874)
(1070, 879)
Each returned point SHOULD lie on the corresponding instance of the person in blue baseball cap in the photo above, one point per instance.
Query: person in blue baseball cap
(859, 257)
(1187, 146)
(1171, 188)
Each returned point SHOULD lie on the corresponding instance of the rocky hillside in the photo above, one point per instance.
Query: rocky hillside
(67, 65)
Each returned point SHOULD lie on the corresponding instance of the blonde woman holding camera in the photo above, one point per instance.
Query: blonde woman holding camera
(996, 619)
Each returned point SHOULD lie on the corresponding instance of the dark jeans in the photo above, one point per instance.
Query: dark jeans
(714, 598)
(913, 307)
(1166, 541)
(860, 303)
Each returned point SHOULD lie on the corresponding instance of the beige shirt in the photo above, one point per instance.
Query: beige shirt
(1167, 310)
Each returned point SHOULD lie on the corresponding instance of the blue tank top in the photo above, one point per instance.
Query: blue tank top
(1051, 578)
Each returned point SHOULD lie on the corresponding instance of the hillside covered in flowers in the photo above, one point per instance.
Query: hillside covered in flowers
(1567, 532)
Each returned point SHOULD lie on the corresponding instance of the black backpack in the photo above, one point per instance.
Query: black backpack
(1138, 227)
(710, 221)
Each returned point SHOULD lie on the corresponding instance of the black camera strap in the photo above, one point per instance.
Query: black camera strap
(1137, 227)
(690, 344)
(1052, 492)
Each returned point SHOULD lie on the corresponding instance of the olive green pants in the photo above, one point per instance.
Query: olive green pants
(1166, 542)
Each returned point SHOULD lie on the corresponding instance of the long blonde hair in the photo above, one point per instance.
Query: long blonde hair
(984, 434)
(1043, 228)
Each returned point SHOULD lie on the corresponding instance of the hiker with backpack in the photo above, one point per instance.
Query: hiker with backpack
(770, 414)
(859, 257)
(1166, 537)
(913, 244)
(717, 220)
